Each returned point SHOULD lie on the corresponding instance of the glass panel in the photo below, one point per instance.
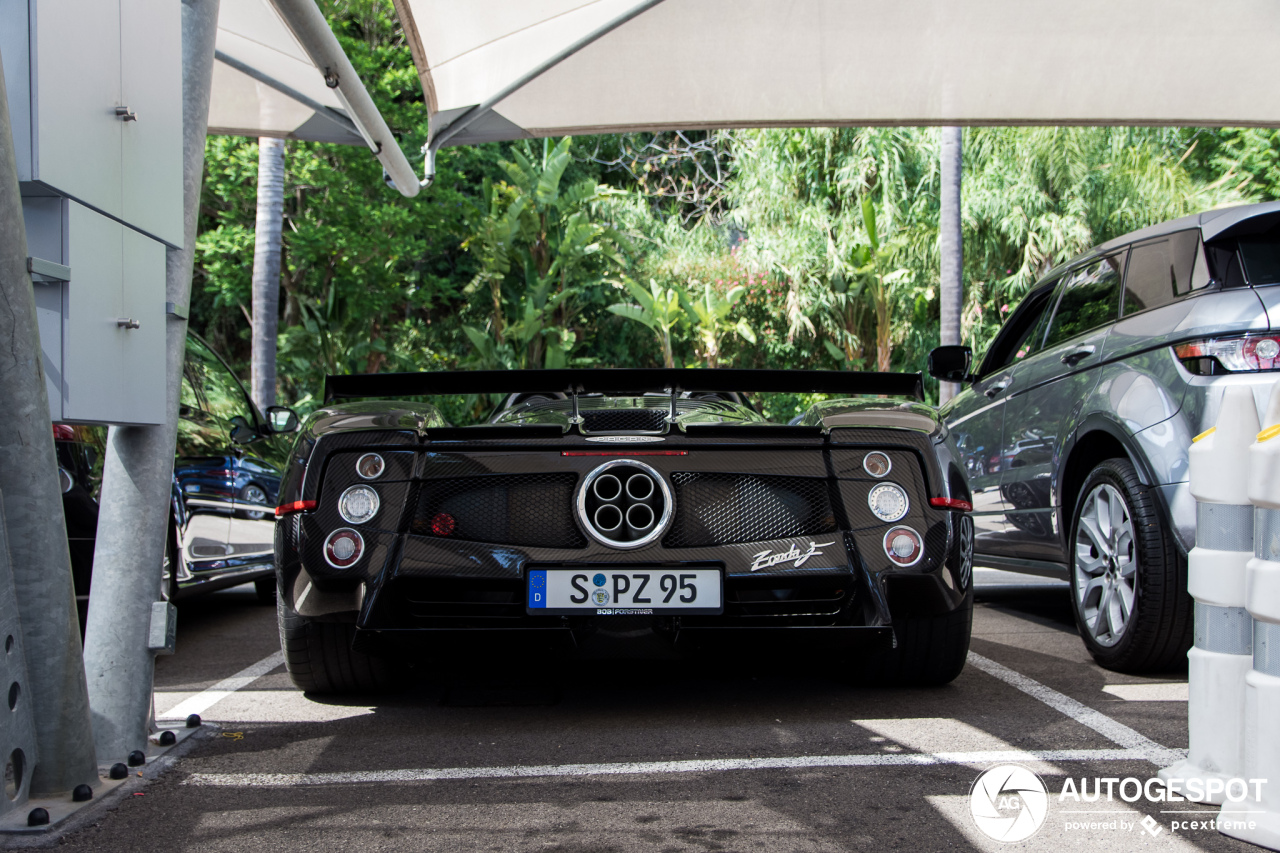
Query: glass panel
(1261, 256)
(1022, 332)
(1090, 298)
(211, 397)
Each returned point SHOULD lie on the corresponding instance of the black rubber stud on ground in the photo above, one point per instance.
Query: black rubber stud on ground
(118, 770)
(38, 817)
(168, 738)
(137, 758)
(193, 721)
(82, 794)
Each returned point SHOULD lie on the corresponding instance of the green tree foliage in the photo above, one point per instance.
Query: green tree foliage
(543, 256)
(371, 280)
(799, 248)
(658, 309)
(1034, 197)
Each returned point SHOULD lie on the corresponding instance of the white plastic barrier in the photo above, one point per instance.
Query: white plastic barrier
(1257, 820)
(1222, 654)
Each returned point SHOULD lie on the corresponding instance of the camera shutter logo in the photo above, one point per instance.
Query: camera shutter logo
(1009, 803)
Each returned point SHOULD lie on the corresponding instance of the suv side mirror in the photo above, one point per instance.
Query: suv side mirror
(950, 363)
(241, 432)
(281, 419)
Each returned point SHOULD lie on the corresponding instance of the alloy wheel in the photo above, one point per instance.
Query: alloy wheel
(254, 494)
(1105, 579)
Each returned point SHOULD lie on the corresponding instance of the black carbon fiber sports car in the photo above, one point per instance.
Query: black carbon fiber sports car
(638, 502)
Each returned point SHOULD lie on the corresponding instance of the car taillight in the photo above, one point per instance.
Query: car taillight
(951, 503)
(296, 506)
(343, 548)
(64, 432)
(443, 524)
(1233, 355)
(903, 546)
(222, 472)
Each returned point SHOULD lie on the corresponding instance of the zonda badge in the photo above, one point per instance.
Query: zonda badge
(793, 555)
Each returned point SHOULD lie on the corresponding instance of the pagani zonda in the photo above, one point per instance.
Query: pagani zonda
(658, 500)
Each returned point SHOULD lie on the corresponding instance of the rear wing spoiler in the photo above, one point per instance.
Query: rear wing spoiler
(621, 381)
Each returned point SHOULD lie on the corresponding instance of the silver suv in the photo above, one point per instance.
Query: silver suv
(1074, 429)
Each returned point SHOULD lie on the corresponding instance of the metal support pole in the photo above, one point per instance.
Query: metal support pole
(138, 473)
(37, 532)
(952, 248)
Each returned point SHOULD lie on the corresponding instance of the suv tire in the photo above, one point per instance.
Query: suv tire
(320, 659)
(1128, 580)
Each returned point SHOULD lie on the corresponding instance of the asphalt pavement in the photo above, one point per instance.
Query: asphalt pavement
(624, 755)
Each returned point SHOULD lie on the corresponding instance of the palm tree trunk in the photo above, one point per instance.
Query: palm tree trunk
(952, 248)
(266, 270)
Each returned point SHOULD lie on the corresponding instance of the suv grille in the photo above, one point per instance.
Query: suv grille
(612, 420)
(721, 509)
(502, 509)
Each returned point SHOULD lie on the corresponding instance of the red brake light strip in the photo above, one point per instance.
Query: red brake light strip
(951, 503)
(296, 506)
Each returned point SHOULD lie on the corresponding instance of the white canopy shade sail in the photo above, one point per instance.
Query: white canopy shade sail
(502, 69)
(279, 71)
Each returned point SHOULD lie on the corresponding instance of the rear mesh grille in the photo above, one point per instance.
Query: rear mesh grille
(721, 509)
(610, 420)
(514, 509)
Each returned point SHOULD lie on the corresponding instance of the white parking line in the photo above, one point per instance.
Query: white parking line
(710, 765)
(206, 699)
(1114, 731)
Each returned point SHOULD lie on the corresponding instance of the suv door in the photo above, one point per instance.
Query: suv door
(975, 417)
(1048, 390)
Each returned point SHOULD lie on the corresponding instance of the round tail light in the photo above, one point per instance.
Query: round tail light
(903, 546)
(358, 504)
(370, 466)
(442, 524)
(888, 501)
(343, 548)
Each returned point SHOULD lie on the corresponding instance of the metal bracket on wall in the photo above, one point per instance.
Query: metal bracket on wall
(47, 271)
(171, 310)
(128, 323)
(126, 114)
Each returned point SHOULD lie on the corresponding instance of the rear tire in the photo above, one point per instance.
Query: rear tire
(320, 659)
(1146, 574)
(930, 650)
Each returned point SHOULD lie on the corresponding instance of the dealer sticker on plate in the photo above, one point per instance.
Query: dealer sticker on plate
(611, 591)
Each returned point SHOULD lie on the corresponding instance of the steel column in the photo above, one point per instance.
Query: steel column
(134, 519)
(36, 530)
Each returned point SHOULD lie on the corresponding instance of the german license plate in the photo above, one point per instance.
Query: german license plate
(621, 591)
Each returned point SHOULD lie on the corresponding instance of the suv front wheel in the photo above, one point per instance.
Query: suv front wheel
(1128, 580)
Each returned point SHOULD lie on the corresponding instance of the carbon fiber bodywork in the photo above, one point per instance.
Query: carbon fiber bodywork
(466, 513)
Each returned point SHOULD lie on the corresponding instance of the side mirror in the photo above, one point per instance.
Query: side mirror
(281, 419)
(241, 432)
(950, 363)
